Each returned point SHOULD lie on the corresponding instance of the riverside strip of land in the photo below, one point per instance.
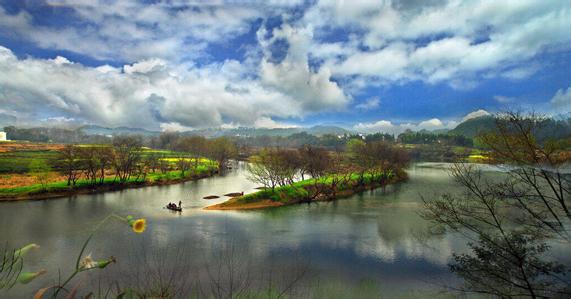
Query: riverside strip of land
(326, 188)
(33, 171)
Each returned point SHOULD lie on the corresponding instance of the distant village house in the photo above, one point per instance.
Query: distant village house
(3, 136)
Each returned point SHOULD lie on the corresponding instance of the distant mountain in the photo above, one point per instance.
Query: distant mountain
(550, 128)
(474, 126)
(219, 132)
(325, 130)
(98, 130)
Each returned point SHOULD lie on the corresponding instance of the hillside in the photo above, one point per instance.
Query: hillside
(548, 129)
(472, 127)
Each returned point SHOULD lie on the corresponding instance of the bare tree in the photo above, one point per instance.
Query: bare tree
(262, 169)
(68, 163)
(127, 154)
(510, 219)
(221, 150)
(183, 163)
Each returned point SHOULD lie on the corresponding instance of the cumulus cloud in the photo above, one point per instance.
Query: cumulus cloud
(475, 114)
(369, 104)
(562, 98)
(386, 126)
(132, 30)
(314, 90)
(464, 38)
(178, 72)
(150, 94)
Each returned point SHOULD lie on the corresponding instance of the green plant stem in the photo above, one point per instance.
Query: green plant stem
(77, 269)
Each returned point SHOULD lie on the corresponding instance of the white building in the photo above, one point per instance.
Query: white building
(2, 136)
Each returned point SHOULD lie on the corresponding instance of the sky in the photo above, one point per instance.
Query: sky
(360, 64)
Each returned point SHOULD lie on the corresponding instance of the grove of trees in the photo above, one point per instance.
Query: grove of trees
(361, 164)
(125, 160)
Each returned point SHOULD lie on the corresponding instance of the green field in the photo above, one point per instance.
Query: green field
(19, 161)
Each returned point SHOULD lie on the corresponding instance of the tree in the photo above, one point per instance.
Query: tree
(261, 170)
(105, 156)
(127, 153)
(183, 163)
(152, 162)
(89, 160)
(313, 161)
(68, 163)
(510, 219)
(221, 150)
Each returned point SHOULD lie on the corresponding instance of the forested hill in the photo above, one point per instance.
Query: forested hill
(93, 133)
(548, 129)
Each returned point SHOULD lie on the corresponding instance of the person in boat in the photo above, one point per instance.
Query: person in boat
(180, 204)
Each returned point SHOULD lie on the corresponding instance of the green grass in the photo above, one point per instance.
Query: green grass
(205, 167)
(296, 191)
(56, 186)
(19, 161)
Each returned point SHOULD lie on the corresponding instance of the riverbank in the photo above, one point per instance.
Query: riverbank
(311, 190)
(60, 189)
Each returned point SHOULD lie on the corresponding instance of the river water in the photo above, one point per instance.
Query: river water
(374, 238)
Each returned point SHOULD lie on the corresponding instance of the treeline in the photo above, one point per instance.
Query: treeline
(358, 165)
(126, 160)
(425, 137)
(55, 135)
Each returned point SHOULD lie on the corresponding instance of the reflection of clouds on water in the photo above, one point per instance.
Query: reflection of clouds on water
(374, 234)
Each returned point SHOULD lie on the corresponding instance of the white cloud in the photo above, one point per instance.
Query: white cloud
(479, 37)
(314, 90)
(378, 126)
(504, 99)
(475, 114)
(562, 99)
(132, 30)
(268, 123)
(386, 126)
(369, 104)
(150, 94)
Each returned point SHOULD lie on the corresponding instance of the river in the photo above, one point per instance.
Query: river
(374, 239)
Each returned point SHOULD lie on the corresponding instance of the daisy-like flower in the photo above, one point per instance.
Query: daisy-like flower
(87, 263)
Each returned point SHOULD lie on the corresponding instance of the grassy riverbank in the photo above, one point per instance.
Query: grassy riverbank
(321, 189)
(61, 189)
(19, 182)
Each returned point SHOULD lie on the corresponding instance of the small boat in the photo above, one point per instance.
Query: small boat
(234, 194)
(174, 208)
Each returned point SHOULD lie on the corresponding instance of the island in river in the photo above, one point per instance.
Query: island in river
(325, 188)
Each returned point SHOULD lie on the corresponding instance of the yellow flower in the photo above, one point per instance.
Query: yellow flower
(139, 225)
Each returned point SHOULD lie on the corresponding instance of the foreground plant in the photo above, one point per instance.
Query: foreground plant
(86, 262)
(11, 267)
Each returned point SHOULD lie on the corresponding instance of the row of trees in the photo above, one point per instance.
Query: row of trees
(125, 159)
(94, 162)
(426, 137)
(374, 162)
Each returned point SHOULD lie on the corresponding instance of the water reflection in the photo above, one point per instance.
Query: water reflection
(374, 235)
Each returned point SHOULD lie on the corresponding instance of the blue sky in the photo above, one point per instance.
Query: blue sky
(367, 65)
